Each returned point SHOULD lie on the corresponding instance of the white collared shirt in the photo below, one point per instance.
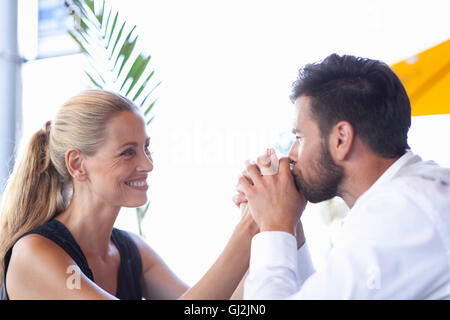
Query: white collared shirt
(394, 244)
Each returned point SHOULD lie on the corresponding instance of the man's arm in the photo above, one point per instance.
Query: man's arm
(279, 271)
(382, 252)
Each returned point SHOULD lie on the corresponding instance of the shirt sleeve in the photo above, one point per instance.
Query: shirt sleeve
(273, 273)
(279, 271)
(305, 267)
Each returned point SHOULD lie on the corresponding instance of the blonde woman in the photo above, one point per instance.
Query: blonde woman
(61, 202)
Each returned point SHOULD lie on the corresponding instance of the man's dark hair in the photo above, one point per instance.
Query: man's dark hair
(364, 92)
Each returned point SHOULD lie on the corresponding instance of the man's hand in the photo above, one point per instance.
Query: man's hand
(273, 200)
(268, 165)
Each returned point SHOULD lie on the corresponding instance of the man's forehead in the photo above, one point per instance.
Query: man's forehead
(302, 103)
(301, 115)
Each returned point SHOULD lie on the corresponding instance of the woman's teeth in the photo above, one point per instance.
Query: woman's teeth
(136, 183)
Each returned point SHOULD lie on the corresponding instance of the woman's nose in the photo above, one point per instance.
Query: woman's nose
(145, 163)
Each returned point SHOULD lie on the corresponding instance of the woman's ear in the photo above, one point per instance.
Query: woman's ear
(75, 164)
(341, 140)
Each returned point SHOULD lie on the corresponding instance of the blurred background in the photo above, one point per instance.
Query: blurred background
(225, 69)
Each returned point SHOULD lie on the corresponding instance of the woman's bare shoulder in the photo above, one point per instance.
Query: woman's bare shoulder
(40, 269)
(36, 246)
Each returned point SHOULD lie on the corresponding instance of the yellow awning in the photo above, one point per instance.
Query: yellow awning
(426, 78)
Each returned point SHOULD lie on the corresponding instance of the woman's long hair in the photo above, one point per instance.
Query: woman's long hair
(40, 186)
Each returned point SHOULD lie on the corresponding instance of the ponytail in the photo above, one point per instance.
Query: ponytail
(33, 194)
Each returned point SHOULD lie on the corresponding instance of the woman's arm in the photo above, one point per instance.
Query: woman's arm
(223, 277)
(158, 281)
(226, 277)
(238, 294)
(221, 280)
(40, 269)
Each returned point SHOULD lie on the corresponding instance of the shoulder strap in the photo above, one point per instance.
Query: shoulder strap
(58, 233)
(130, 273)
(3, 293)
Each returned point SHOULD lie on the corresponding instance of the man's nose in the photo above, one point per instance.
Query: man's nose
(293, 152)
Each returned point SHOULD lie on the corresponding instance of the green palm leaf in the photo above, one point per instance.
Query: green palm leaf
(115, 63)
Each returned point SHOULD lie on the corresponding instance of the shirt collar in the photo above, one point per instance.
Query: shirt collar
(387, 175)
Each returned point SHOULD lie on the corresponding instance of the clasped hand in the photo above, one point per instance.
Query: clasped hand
(271, 197)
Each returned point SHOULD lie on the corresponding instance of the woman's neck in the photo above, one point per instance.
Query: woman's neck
(91, 222)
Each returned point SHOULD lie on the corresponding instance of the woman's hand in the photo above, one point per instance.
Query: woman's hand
(278, 205)
(268, 165)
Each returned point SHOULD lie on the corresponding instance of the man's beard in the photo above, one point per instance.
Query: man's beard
(325, 179)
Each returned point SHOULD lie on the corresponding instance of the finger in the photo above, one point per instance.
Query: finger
(243, 207)
(264, 160)
(284, 165)
(246, 175)
(274, 160)
(239, 199)
(243, 186)
(242, 197)
(265, 165)
(236, 200)
(253, 172)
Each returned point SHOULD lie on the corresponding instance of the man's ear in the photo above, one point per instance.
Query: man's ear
(75, 164)
(341, 140)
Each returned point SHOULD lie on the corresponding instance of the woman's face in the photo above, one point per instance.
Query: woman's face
(118, 171)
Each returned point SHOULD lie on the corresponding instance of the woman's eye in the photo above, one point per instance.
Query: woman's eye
(128, 152)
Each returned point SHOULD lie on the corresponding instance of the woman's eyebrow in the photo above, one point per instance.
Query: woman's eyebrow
(133, 143)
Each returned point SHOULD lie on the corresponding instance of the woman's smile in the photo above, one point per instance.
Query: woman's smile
(138, 184)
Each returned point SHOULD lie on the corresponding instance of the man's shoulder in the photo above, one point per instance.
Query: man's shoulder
(406, 203)
(412, 193)
(427, 186)
(419, 171)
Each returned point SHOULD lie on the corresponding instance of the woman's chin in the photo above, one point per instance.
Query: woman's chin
(136, 203)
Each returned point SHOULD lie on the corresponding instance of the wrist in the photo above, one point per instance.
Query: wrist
(278, 227)
(247, 226)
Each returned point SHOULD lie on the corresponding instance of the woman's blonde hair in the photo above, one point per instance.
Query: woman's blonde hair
(40, 185)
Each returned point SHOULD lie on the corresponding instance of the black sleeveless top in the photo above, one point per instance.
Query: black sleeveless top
(130, 270)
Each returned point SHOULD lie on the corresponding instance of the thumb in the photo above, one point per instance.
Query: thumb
(284, 166)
